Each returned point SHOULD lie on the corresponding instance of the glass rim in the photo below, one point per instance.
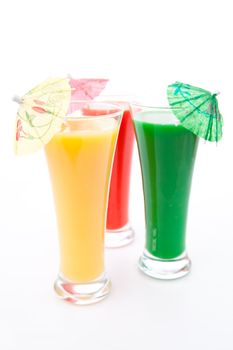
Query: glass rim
(166, 108)
(118, 110)
(125, 97)
(115, 94)
(124, 100)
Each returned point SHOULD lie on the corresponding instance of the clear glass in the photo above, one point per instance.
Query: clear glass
(119, 231)
(167, 155)
(80, 160)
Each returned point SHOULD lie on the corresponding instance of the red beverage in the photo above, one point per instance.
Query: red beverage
(119, 232)
(118, 213)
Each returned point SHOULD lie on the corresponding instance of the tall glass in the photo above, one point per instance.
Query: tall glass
(167, 154)
(119, 231)
(80, 159)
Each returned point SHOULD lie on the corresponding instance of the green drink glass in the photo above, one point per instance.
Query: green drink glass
(167, 154)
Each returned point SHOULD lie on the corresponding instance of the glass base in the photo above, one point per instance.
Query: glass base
(119, 237)
(82, 293)
(165, 269)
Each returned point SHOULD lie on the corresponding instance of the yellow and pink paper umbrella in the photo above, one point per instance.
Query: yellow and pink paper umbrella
(42, 110)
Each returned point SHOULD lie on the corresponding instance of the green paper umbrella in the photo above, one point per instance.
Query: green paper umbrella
(197, 110)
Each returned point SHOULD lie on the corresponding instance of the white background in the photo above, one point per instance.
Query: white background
(142, 46)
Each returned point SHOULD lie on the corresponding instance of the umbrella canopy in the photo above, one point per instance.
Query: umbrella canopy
(197, 110)
(40, 114)
(85, 89)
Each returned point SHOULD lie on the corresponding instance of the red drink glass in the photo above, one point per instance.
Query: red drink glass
(118, 229)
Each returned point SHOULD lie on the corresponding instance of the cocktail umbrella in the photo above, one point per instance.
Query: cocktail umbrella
(85, 89)
(40, 114)
(42, 110)
(197, 110)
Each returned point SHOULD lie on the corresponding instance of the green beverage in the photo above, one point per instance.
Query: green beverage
(167, 154)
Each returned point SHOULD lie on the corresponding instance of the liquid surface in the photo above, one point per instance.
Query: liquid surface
(79, 160)
(167, 155)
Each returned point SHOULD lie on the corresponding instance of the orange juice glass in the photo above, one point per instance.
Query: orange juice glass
(80, 160)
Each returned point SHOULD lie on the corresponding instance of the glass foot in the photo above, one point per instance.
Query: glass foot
(119, 237)
(164, 269)
(82, 293)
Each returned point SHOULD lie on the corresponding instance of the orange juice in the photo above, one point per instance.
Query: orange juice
(80, 160)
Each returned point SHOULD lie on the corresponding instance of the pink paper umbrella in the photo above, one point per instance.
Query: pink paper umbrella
(85, 89)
